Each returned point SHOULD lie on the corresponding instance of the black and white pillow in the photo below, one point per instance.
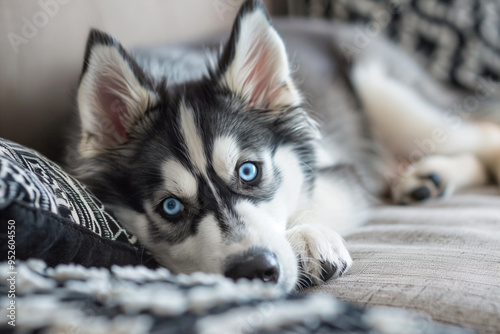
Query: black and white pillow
(457, 41)
(56, 217)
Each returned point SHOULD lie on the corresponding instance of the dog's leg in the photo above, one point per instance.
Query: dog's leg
(336, 206)
(445, 151)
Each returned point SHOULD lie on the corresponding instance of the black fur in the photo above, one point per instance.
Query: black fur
(97, 37)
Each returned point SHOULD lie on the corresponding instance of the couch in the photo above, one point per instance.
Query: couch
(440, 259)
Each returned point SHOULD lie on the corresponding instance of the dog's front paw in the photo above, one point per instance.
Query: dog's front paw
(321, 253)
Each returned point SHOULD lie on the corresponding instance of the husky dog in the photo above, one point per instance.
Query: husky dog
(215, 161)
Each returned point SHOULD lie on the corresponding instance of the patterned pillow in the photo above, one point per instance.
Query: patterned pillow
(458, 41)
(56, 218)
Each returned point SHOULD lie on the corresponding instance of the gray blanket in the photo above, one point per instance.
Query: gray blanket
(441, 258)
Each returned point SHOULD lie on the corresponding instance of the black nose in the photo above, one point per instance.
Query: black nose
(254, 264)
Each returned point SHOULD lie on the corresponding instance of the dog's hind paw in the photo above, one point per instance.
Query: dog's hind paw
(419, 188)
(427, 180)
(440, 176)
(321, 253)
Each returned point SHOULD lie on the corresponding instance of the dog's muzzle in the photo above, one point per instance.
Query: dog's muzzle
(256, 263)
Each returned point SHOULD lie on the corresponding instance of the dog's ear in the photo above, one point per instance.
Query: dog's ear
(254, 62)
(113, 93)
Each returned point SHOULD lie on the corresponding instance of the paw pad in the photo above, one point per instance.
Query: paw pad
(328, 269)
(420, 194)
(419, 187)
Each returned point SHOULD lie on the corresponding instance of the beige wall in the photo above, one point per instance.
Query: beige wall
(38, 76)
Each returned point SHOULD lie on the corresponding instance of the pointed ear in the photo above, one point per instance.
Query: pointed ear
(113, 93)
(254, 63)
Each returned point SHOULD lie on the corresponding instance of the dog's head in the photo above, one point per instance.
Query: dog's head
(206, 173)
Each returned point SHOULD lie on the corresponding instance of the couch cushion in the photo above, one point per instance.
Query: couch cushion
(442, 258)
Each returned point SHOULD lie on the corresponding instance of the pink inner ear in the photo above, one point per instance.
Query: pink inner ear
(114, 109)
(262, 76)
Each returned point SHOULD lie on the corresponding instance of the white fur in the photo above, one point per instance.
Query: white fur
(286, 199)
(400, 116)
(224, 157)
(192, 254)
(179, 181)
(334, 203)
(192, 139)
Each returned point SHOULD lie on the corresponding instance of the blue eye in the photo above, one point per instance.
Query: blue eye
(172, 206)
(248, 171)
